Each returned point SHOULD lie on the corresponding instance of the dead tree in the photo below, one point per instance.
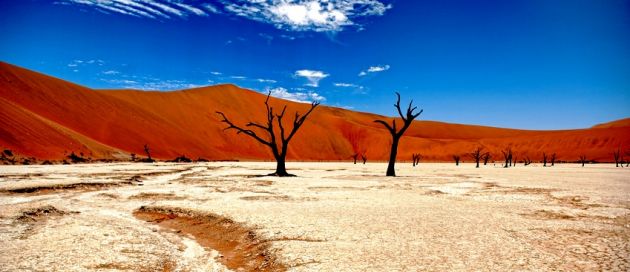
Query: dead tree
(582, 160)
(364, 158)
(397, 134)
(355, 156)
(527, 161)
(279, 149)
(133, 157)
(486, 158)
(507, 155)
(617, 156)
(544, 159)
(628, 161)
(456, 158)
(415, 158)
(514, 164)
(553, 159)
(477, 155)
(148, 152)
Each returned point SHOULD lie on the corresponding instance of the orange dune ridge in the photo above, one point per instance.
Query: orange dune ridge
(48, 118)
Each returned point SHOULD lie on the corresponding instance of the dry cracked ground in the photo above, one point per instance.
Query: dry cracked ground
(331, 217)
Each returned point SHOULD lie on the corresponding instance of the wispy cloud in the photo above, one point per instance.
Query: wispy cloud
(302, 97)
(312, 76)
(238, 77)
(110, 72)
(296, 15)
(75, 64)
(263, 80)
(347, 85)
(266, 37)
(374, 69)
(150, 84)
(146, 8)
(307, 15)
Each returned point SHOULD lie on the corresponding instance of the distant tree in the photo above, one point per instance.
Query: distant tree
(617, 156)
(477, 155)
(507, 155)
(544, 159)
(279, 150)
(553, 159)
(415, 157)
(628, 161)
(355, 156)
(582, 159)
(133, 157)
(364, 158)
(74, 158)
(486, 158)
(456, 158)
(515, 161)
(397, 134)
(147, 151)
(181, 158)
(527, 161)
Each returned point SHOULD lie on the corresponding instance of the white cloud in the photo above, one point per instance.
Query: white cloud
(77, 63)
(312, 76)
(110, 72)
(297, 15)
(307, 15)
(216, 73)
(262, 80)
(374, 69)
(238, 77)
(211, 8)
(348, 85)
(149, 83)
(191, 9)
(146, 8)
(302, 97)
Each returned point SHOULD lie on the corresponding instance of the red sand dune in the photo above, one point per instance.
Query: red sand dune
(46, 117)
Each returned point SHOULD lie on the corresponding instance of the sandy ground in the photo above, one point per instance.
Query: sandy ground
(331, 217)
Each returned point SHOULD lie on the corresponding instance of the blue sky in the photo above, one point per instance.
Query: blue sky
(524, 64)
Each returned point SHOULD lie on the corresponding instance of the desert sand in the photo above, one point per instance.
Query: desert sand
(48, 118)
(331, 217)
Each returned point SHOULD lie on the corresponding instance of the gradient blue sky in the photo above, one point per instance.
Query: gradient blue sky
(524, 64)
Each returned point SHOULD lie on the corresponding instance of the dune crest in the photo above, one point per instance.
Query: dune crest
(47, 118)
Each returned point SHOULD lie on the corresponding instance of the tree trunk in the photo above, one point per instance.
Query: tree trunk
(477, 163)
(391, 172)
(281, 170)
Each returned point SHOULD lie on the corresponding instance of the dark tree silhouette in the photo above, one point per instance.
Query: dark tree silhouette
(553, 159)
(628, 161)
(514, 164)
(617, 156)
(279, 149)
(364, 158)
(76, 159)
(527, 161)
(397, 134)
(544, 159)
(415, 158)
(148, 152)
(582, 160)
(133, 157)
(456, 158)
(477, 155)
(507, 155)
(486, 158)
(355, 156)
